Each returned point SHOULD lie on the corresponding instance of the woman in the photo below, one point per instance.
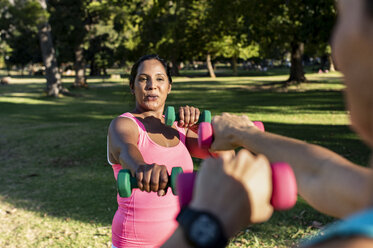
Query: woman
(140, 141)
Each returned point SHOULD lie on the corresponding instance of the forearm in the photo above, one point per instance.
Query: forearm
(202, 153)
(198, 152)
(316, 169)
(177, 240)
(191, 143)
(130, 158)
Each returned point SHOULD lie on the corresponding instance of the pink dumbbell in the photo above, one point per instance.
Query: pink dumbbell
(284, 187)
(206, 133)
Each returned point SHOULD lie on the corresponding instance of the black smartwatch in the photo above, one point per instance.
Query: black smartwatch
(201, 229)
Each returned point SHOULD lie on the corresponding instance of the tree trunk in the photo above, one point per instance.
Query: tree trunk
(324, 62)
(331, 63)
(95, 70)
(79, 67)
(175, 67)
(50, 62)
(209, 66)
(234, 65)
(296, 69)
(104, 71)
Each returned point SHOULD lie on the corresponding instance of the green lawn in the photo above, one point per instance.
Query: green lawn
(57, 190)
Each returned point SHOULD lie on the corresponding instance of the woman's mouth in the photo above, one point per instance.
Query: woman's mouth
(151, 97)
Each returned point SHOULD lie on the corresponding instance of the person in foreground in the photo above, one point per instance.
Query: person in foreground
(229, 201)
(141, 142)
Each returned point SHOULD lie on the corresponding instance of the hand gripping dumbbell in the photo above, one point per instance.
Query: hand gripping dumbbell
(126, 182)
(206, 133)
(284, 187)
(171, 116)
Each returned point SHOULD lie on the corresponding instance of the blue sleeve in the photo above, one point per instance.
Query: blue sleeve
(360, 224)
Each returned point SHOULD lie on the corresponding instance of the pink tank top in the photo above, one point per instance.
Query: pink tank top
(149, 220)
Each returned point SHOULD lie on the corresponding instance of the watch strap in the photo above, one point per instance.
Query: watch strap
(188, 219)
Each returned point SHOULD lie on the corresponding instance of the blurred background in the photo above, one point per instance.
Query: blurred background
(64, 68)
(91, 38)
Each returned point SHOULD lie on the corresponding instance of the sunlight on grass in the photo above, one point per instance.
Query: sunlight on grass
(21, 98)
(21, 228)
(57, 190)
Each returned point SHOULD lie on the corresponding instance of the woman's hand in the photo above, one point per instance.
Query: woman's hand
(224, 127)
(236, 189)
(152, 177)
(188, 117)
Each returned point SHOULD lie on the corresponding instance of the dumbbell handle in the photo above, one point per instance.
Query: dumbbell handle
(206, 133)
(126, 182)
(284, 187)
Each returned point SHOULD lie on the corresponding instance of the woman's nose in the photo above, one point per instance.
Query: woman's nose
(151, 84)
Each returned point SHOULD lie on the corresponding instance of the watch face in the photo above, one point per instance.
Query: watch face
(204, 230)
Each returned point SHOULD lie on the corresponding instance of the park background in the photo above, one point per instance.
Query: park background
(64, 77)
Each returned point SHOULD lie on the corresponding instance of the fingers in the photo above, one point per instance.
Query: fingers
(163, 180)
(139, 176)
(194, 115)
(226, 127)
(146, 178)
(226, 156)
(241, 162)
(181, 116)
(188, 116)
(152, 178)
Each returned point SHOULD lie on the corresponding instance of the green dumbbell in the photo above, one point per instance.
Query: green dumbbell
(126, 182)
(171, 116)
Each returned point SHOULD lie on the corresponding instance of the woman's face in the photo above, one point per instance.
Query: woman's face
(151, 86)
(352, 49)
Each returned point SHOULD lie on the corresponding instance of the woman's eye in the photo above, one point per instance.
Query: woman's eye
(142, 79)
(160, 79)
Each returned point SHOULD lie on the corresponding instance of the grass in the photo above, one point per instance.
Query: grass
(57, 190)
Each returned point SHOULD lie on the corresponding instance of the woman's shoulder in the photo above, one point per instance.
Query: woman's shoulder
(123, 123)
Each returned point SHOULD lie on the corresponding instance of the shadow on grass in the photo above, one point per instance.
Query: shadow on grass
(53, 151)
(287, 228)
(68, 177)
(224, 72)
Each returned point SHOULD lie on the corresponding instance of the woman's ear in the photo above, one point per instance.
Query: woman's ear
(169, 88)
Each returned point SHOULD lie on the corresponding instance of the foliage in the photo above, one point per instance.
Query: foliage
(286, 22)
(20, 30)
(116, 32)
(57, 190)
(68, 19)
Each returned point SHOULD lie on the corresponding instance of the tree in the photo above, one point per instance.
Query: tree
(200, 32)
(69, 19)
(18, 24)
(218, 28)
(54, 85)
(162, 30)
(232, 38)
(290, 26)
(4, 32)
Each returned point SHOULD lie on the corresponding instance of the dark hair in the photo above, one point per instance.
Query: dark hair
(149, 57)
(369, 7)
